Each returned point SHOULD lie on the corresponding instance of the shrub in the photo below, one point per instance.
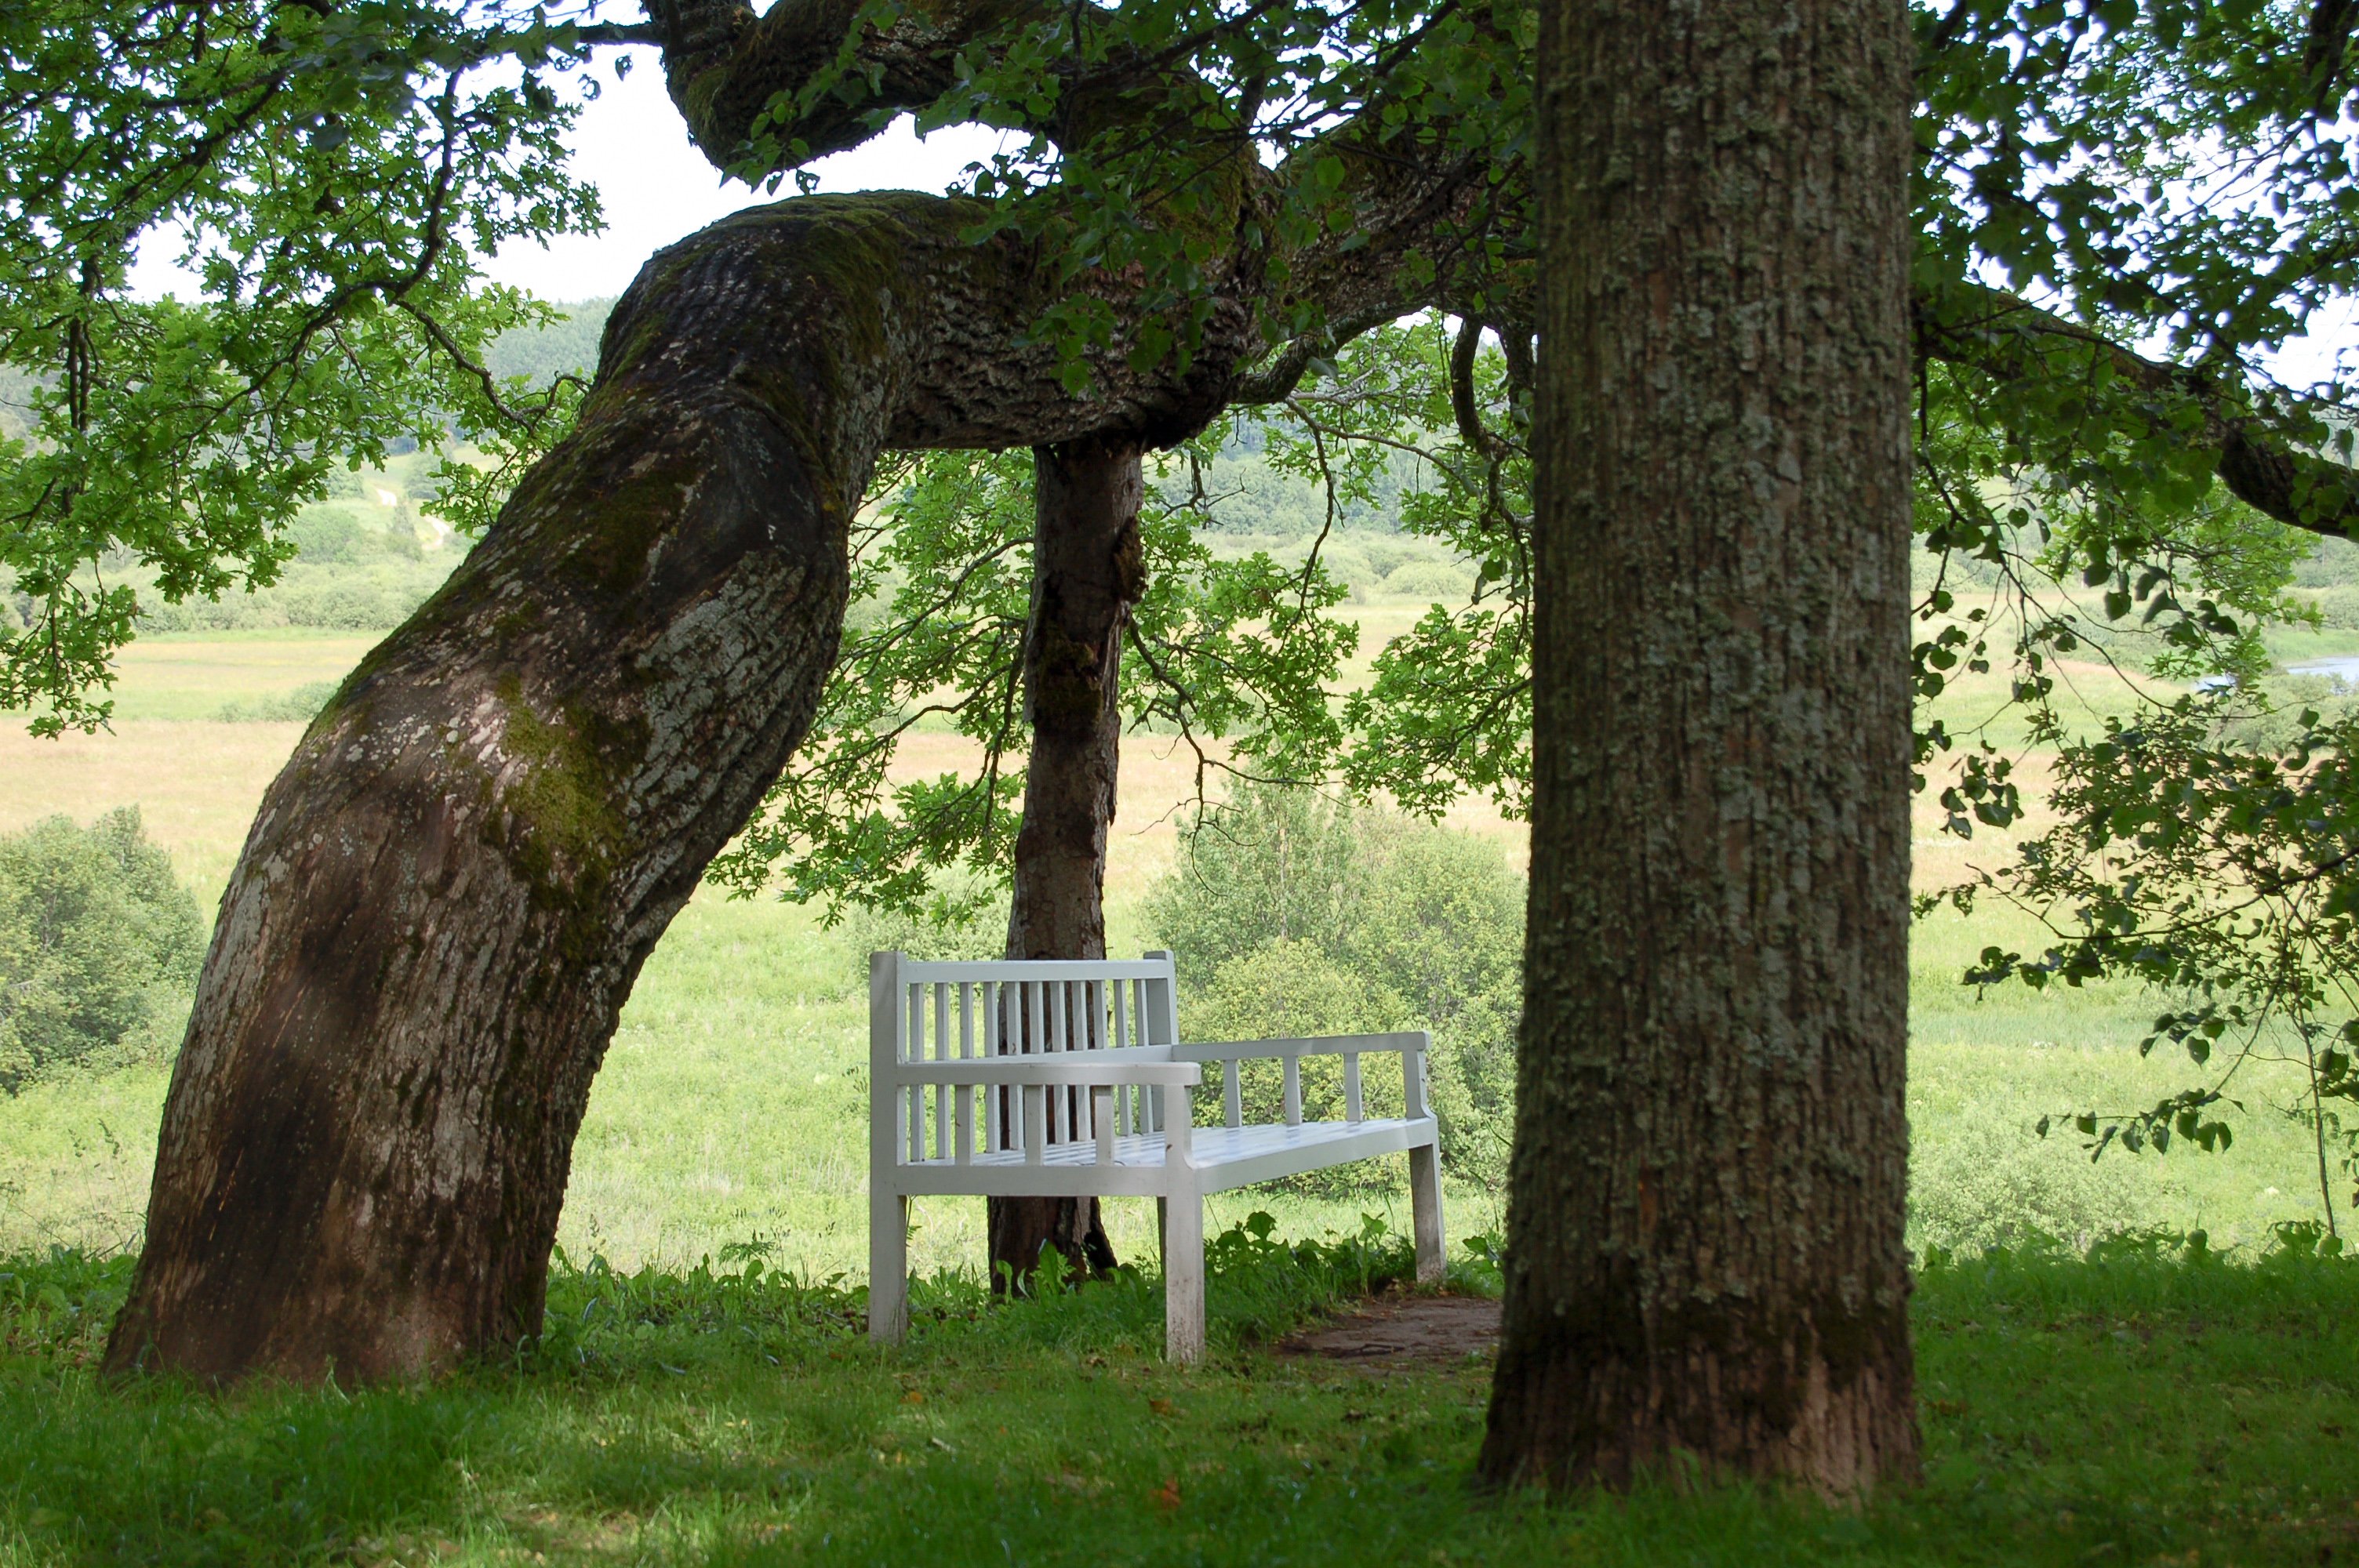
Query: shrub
(302, 705)
(2338, 606)
(1430, 579)
(99, 944)
(1270, 865)
(1424, 922)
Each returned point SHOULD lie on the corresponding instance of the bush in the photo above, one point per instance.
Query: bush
(1430, 579)
(302, 705)
(2338, 606)
(2330, 562)
(374, 596)
(1410, 925)
(99, 945)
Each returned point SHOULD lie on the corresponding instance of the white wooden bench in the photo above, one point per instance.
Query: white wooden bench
(1055, 1079)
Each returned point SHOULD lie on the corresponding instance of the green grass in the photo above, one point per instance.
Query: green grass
(2137, 1406)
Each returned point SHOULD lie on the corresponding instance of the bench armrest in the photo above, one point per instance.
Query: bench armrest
(1076, 1067)
(1405, 1042)
(1414, 1046)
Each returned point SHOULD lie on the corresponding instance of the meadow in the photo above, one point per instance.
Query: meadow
(730, 1102)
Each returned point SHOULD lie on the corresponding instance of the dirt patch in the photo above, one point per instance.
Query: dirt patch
(1414, 1331)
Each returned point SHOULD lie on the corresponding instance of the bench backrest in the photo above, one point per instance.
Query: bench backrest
(921, 1011)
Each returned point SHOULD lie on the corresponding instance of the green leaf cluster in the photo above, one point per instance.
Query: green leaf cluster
(1232, 657)
(99, 944)
(332, 177)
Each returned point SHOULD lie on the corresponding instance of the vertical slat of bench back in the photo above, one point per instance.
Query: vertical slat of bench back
(941, 1053)
(1158, 1017)
(964, 1150)
(885, 1102)
(994, 1045)
(1123, 1115)
(1232, 1092)
(1294, 1091)
(1353, 1111)
(1053, 1043)
(913, 1049)
(1036, 1123)
(1413, 1077)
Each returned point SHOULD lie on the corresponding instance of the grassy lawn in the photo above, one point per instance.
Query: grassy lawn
(2136, 1407)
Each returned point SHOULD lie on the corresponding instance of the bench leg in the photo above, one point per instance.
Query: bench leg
(888, 1267)
(1425, 1212)
(1183, 1278)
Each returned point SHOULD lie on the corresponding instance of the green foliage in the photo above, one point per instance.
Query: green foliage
(1218, 650)
(98, 941)
(2222, 875)
(1292, 915)
(564, 344)
(331, 175)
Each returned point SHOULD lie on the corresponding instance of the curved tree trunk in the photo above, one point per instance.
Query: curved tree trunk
(446, 894)
(1704, 1252)
(1088, 570)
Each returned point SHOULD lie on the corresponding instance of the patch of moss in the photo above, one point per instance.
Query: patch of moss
(565, 802)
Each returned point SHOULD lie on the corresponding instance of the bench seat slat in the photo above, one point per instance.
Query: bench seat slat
(1223, 1158)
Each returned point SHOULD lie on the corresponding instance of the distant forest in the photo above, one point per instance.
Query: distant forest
(564, 348)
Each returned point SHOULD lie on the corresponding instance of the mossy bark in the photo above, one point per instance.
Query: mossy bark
(1088, 571)
(1704, 1230)
(447, 892)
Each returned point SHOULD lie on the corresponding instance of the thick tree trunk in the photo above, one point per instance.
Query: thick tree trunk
(1704, 1221)
(1087, 573)
(447, 892)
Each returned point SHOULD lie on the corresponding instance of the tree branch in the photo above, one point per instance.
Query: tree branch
(2011, 340)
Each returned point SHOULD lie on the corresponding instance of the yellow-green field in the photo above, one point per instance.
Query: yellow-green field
(730, 1105)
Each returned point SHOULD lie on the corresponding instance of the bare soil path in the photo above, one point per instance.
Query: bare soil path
(1403, 1332)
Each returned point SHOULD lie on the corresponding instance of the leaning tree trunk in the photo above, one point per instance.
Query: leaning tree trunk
(446, 894)
(1088, 570)
(1705, 1205)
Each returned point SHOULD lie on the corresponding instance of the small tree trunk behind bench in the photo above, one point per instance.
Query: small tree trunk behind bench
(1087, 573)
(1704, 1252)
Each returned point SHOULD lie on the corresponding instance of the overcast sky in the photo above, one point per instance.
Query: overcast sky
(656, 187)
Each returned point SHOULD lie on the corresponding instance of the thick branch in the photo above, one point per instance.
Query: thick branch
(2011, 340)
(724, 65)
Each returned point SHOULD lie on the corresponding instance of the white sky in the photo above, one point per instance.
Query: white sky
(657, 188)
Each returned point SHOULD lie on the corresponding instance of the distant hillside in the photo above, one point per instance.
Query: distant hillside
(570, 346)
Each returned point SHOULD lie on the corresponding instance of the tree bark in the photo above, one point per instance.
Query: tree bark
(1088, 571)
(1704, 1247)
(446, 894)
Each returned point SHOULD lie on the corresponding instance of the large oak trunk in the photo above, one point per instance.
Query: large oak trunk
(446, 894)
(1087, 572)
(1705, 1212)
